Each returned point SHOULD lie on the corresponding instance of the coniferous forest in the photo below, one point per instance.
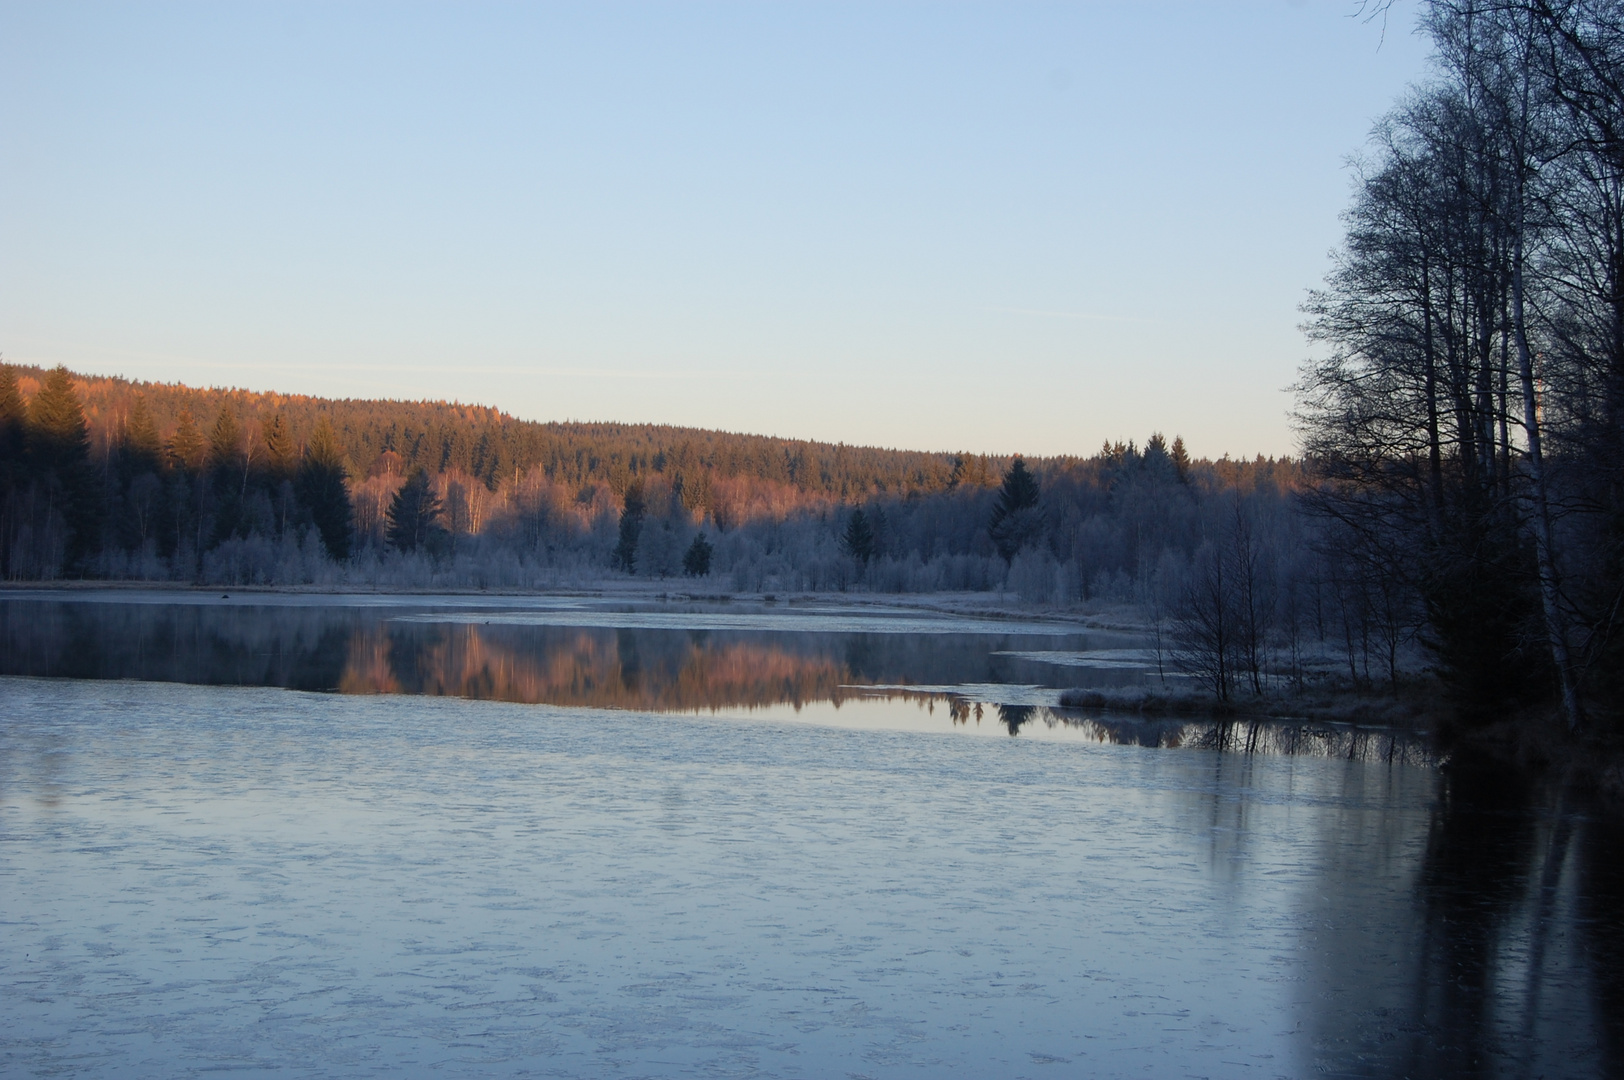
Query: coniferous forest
(110, 479)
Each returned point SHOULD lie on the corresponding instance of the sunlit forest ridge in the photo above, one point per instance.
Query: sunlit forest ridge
(108, 478)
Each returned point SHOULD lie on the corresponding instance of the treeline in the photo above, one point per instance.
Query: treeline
(105, 478)
(1467, 417)
(490, 447)
(154, 504)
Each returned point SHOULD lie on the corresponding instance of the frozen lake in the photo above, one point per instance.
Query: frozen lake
(263, 881)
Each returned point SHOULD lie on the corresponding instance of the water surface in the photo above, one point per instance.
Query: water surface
(197, 877)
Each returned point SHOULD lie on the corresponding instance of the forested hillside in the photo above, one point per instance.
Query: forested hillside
(112, 479)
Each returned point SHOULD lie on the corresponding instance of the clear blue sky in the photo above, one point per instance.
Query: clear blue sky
(1000, 227)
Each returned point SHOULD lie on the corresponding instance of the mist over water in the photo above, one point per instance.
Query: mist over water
(722, 874)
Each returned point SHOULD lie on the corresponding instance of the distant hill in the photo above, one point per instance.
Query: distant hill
(489, 445)
(105, 477)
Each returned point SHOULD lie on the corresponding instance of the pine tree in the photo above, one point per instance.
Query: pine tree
(58, 443)
(279, 456)
(13, 415)
(320, 489)
(414, 515)
(858, 539)
(57, 433)
(697, 562)
(1181, 458)
(631, 525)
(225, 440)
(186, 444)
(141, 441)
(1015, 517)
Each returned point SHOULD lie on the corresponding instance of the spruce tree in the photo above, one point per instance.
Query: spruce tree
(414, 515)
(279, 456)
(58, 441)
(186, 444)
(225, 440)
(141, 441)
(321, 490)
(1015, 518)
(1181, 458)
(13, 415)
(697, 562)
(858, 539)
(631, 526)
(57, 433)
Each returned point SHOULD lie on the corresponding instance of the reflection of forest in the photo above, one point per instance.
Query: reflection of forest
(624, 669)
(362, 650)
(1480, 937)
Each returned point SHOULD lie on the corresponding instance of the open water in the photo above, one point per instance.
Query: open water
(331, 838)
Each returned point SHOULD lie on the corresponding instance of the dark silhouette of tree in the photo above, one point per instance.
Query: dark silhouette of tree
(631, 527)
(1181, 458)
(279, 453)
(697, 561)
(13, 415)
(1015, 516)
(858, 539)
(58, 442)
(321, 490)
(141, 440)
(57, 431)
(969, 469)
(186, 445)
(1014, 717)
(225, 441)
(414, 515)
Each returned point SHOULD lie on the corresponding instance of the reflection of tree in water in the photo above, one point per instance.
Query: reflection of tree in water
(1013, 716)
(626, 669)
(234, 644)
(1498, 955)
(1474, 877)
(960, 709)
(370, 649)
(1601, 918)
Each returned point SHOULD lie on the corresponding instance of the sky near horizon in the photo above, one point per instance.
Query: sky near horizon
(994, 227)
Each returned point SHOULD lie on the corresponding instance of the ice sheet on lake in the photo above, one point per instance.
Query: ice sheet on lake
(197, 880)
(790, 620)
(1093, 658)
(975, 693)
(214, 597)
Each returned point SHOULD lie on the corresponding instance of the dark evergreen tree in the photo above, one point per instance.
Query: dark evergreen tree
(13, 415)
(631, 526)
(58, 435)
(858, 539)
(186, 445)
(697, 561)
(225, 441)
(321, 491)
(13, 424)
(414, 515)
(228, 475)
(58, 443)
(1181, 458)
(1015, 517)
(142, 444)
(279, 452)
